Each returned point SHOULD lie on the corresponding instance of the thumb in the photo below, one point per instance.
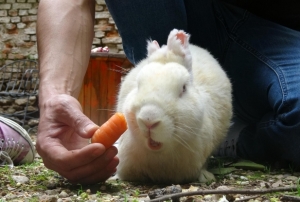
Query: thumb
(89, 130)
(70, 112)
(84, 127)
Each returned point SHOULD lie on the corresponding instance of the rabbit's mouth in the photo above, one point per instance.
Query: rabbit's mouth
(153, 144)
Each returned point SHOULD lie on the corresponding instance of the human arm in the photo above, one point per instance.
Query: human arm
(64, 36)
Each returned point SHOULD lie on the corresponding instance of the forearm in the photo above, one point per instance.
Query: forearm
(64, 34)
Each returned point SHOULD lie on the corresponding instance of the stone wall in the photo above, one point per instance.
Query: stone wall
(18, 30)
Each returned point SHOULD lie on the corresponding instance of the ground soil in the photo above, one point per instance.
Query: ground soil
(34, 182)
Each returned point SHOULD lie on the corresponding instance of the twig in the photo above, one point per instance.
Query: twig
(290, 198)
(231, 191)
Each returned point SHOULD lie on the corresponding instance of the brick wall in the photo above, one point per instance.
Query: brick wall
(18, 30)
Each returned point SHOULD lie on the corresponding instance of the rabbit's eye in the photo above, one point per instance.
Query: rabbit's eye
(183, 90)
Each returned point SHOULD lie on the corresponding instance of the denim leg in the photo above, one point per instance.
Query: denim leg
(261, 58)
(275, 80)
(263, 61)
(138, 21)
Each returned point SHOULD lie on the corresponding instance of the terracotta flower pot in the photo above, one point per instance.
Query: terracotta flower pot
(101, 83)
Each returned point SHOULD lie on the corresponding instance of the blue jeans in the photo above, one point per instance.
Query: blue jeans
(261, 58)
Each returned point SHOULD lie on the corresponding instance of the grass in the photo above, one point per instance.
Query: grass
(36, 172)
(40, 177)
(298, 187)
(136, 192)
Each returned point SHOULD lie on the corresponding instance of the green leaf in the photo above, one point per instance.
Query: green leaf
(244, 164)
(222, 171)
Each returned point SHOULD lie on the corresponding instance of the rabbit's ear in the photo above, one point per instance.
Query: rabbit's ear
(152, 47)
(178, 42)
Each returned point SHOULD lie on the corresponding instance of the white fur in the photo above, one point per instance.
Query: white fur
(188, 123)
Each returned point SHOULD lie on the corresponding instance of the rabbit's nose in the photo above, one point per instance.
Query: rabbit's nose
(150, 124)
(149, 117)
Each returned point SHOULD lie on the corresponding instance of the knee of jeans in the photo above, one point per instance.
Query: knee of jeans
(287, 119)
(291, 118)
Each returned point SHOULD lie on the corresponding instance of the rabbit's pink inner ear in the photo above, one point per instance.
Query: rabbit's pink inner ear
(152, 47)
(183, 38)
(155, 43)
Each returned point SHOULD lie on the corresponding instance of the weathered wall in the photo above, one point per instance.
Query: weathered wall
(18, 30)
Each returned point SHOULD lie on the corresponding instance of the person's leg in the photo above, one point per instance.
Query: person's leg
(263, 63)
(138, 21)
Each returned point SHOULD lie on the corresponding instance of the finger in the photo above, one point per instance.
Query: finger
(99, 176)
(62, 159)
(98, 170)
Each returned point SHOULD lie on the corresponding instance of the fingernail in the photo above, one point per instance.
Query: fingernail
(110, 154)
(88, 127)
(112, 166)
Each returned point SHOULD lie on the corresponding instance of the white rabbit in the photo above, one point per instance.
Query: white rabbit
(177, 103)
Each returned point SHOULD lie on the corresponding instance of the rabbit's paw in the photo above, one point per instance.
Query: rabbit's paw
(206, 176)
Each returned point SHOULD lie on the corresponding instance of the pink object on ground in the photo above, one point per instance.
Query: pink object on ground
(15, 144)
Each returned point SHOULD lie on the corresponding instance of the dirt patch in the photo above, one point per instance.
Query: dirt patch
(34, 182)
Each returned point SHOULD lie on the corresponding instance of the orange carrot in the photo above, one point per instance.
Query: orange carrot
(110, 131)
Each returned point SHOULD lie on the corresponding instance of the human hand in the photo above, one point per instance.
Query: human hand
(62, 142)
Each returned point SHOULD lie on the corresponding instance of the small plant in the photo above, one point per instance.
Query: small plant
(80, 191)
(298, 187)
(136, 192)
(273, 199)
(267, 169)
(34, 199)
(98, 193)
(84, 195)
(7, 172)
(125, 198)
(292, 168)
